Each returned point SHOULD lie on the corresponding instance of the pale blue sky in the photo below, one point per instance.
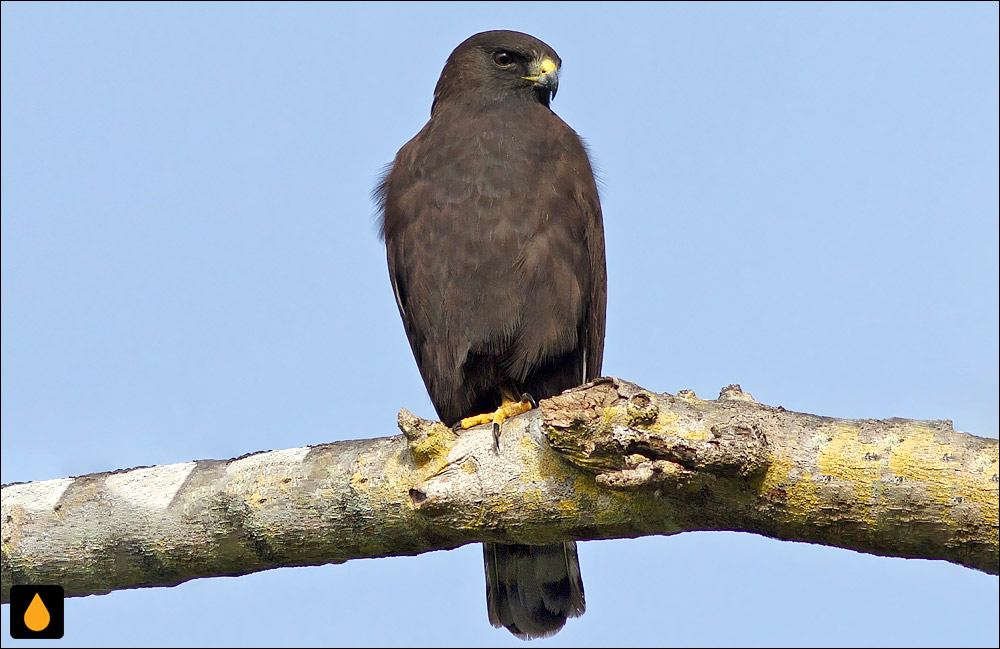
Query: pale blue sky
(802, 199)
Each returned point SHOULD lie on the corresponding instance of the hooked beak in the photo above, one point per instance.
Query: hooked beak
(545, 76)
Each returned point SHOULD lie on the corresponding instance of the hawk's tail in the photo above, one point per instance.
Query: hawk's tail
(532, 589)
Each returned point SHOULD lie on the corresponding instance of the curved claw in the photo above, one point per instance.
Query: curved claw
(497, 417)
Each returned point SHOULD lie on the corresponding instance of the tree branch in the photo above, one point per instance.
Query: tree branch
(607, 460)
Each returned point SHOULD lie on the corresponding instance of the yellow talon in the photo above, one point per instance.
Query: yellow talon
(507, 410)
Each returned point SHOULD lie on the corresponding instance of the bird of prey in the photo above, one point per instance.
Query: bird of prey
(495, 244)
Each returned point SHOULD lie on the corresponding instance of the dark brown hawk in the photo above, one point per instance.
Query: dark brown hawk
(495, 242)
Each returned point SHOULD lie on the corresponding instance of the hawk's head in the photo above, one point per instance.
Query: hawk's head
(499, 65)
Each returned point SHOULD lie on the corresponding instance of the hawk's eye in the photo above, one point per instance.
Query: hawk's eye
(503, 59)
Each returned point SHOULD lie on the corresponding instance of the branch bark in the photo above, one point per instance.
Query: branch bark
(606, 460)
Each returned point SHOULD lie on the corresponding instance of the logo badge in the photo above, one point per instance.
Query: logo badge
(36, 612)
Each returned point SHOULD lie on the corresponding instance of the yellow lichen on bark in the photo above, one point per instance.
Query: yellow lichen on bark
(947, 478)
(776, 477)
(568, 508)
(440, 439)
(541, 464)
(803, 497)
(982, 486)
(698, 435)
(665, 420)
(847, 458)
(798, 493)
(918, 457)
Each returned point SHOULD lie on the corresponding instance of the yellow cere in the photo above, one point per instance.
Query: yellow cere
(547, 66)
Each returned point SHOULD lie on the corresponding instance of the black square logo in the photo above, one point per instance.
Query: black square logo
(36, 612)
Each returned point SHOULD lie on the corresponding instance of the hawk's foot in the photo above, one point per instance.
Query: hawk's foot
(507, 409)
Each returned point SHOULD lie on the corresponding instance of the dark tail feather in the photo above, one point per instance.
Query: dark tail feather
(532, 589)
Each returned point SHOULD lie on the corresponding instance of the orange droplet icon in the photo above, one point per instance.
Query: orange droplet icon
(37, 616)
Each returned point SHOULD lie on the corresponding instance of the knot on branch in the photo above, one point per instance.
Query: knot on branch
(733, 392)
(426, 440)
(632, 437)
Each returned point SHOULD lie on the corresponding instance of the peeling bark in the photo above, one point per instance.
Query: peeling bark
(607, 460)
